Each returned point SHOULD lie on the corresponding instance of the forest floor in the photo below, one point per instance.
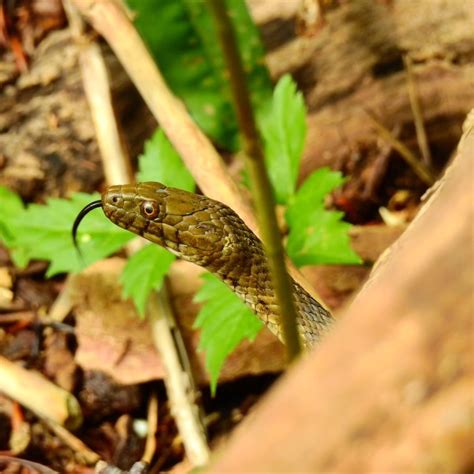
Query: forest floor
(96, 359)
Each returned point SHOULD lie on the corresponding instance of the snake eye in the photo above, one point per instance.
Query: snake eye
(149, 209)
(115, 199)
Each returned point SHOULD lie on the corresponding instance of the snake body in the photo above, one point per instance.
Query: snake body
(210, 234)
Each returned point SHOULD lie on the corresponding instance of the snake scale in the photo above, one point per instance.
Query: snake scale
(210, 234)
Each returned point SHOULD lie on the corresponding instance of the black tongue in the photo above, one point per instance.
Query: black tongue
(80, 216)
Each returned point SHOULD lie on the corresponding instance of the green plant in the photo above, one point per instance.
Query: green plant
(182, 39)
(316, 235)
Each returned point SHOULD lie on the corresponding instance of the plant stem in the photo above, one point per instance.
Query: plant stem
(261, 187)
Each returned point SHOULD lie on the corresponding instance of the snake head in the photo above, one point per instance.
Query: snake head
(184, 223)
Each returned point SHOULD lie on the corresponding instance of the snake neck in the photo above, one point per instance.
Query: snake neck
(243, 266)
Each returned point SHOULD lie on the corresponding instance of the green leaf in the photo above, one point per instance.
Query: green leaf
(183, 40)
(283, 129)
(10, 204)
(145, 271)
(224, 322)
(318, 236)
(160, 162)
(44, 232)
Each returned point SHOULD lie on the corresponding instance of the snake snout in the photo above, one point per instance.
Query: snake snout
(109, 207)
(117, 200)
(113, 196)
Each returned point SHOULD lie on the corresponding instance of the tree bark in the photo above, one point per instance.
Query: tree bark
(391, 388)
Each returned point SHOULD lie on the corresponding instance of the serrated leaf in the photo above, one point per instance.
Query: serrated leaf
(160, 162)
(224, 322)
(145, 271)
(314, 190)
(10, 205)
(44, 232)
(283, 129)
(317, 235)
(183, 40)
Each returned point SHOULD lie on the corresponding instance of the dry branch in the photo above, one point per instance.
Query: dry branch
(39, 395)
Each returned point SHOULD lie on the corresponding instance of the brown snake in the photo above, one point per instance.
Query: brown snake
(209, 234)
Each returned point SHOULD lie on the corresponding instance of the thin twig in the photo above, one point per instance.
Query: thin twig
(62, 305)
(415, 164)
(193, 434)
(417, 113)
(261, 186)
(81, 451)
(118, 170)
(95, 80)
(152, 419)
